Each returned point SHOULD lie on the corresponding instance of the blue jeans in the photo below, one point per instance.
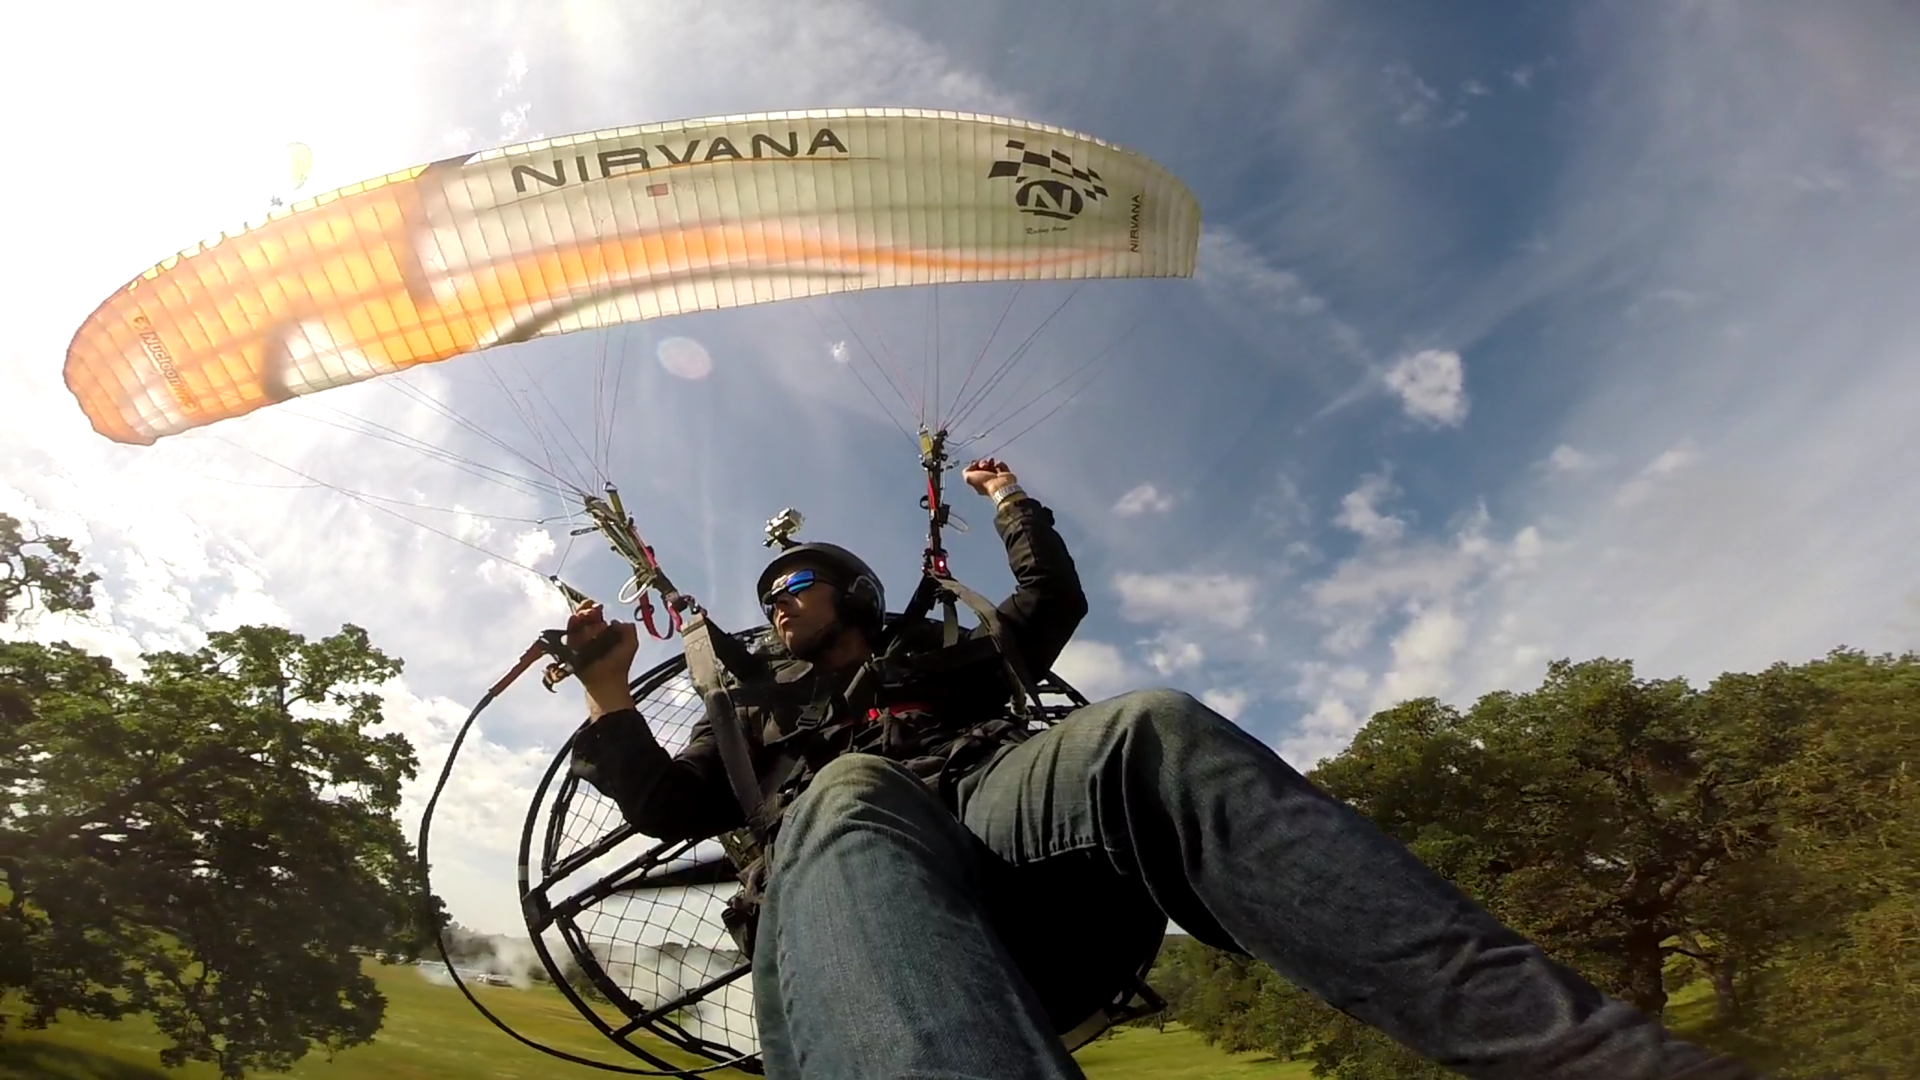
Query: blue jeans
(899, 941)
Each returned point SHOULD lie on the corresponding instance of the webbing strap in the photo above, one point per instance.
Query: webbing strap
(703, 667)
(1024, 686)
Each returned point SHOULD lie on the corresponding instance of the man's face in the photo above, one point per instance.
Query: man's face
(801, 619)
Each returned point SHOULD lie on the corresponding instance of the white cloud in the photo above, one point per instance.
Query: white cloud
(1248, 288)
(1236, 270)
(1643, 485)
(837, 50)
(472, 527)
(1433, 589)
(1350, 634)
(532, 546)
(1424, 570)
(1565, 459)
(1360, 511)
(1670, 461)
(1187, 598)
(1322, 733)
(1412, 99)
(1431, 385)
(1416, 102)
(1228, 702)
(1527, 546)
(1318, 678)
(513, 118)
(247, 607)
(491, 786)
(1096, 669)
(1285, 510)
(1423, 656)
(1144, 499)
(1171, 655)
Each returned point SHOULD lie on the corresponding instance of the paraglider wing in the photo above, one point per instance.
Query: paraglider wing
(595, 229)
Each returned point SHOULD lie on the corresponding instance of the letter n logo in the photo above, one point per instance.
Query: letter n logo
(1047, 185)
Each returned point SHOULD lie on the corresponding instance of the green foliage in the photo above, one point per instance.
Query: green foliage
(207, 842)
(1761, 834)
(40, 571)
(1840, 996)
(1238, 1005)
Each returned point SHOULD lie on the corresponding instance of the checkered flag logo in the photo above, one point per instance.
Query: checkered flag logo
(1048, 185)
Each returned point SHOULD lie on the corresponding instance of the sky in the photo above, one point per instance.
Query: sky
(1519, 333)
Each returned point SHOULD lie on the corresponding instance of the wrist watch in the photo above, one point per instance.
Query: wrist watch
(1001, 497)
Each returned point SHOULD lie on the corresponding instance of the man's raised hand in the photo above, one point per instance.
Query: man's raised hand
(988, 475)
(605, 680)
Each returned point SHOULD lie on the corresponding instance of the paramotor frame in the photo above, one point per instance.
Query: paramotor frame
(666, 695)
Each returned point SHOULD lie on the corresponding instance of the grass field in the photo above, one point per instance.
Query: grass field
(432, 1033)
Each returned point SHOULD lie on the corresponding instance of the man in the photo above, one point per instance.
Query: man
(919, 924)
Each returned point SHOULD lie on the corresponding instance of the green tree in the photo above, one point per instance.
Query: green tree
(40, 571)
(1169, 978)
(1238, 1004)
(1840, 997)
(1596, 813)
(207, 842)
(1610, 819)
(1762, 834)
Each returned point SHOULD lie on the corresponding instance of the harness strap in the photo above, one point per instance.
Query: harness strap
(932, 584)
(701, 646)
(709, 652)
(1024, 686)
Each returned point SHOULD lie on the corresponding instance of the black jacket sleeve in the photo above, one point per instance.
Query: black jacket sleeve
(1047, 602)
(679, 797)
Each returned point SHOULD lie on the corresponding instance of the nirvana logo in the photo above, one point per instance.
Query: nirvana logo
(1048, 184)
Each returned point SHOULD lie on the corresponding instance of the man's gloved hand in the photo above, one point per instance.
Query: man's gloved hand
(989, 475)
(605, 680)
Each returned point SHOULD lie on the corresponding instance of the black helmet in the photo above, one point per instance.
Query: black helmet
(863, 599)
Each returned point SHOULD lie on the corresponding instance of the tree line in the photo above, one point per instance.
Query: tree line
(1755, 841)
(213, 841)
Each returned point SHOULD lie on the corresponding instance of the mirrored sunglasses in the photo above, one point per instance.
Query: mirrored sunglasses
(791, 585)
